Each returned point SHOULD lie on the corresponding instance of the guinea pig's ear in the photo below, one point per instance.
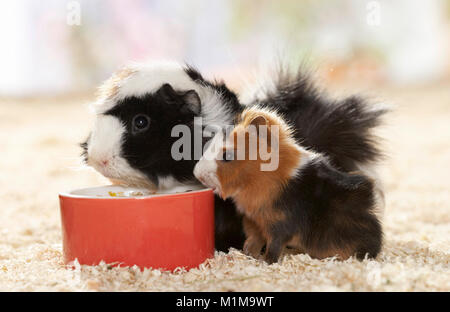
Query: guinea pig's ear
(259, 120)
(167, 93)
(192, 101)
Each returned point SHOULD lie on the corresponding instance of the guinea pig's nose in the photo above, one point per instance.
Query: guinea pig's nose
(200, 178)
(197, 174)
(104, 162)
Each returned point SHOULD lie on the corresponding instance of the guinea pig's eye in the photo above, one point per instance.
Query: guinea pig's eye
(228, 155)
(140, 123)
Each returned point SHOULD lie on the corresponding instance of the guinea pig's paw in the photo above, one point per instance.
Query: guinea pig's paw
(273, 252)
(271, 259)
(253, 246)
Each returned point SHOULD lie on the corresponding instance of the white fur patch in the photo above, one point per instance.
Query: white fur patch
(146, 78)
(105, 146)
(258, 91)
(206, 168)
(170, 183)
(214, 112)
(149, 77)
(370, 170)
(306, 157)
(206, 172)
(106, 138)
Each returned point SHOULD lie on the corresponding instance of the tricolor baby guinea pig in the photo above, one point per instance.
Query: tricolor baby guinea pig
(298, 200)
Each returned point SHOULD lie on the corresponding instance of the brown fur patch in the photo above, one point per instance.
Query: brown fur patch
(243, 180)
(255, 240)
(110, 87)
(341, 252)
(322, 252)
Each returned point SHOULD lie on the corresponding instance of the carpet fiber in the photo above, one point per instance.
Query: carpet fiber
(39, 158)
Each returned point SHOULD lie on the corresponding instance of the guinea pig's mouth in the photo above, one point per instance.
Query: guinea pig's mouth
(216, 190)
(104, 171)
(119, 173)
(210, 181)
(107, 173)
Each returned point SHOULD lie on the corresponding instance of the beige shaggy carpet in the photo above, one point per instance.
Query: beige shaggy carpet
(39, 158)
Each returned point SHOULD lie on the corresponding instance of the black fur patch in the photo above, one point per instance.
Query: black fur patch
(228, 225)
(228, 97)
(329, 209)
(340, 130)
(150, 151)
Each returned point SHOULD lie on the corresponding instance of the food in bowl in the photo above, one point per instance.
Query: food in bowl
(129, 194)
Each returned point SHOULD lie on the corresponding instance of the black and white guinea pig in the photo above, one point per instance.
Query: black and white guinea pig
(131, 141)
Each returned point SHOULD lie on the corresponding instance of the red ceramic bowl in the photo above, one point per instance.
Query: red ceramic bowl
(161, 231)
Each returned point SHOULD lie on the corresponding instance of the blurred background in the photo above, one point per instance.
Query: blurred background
(54, 54)
(57, 47)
